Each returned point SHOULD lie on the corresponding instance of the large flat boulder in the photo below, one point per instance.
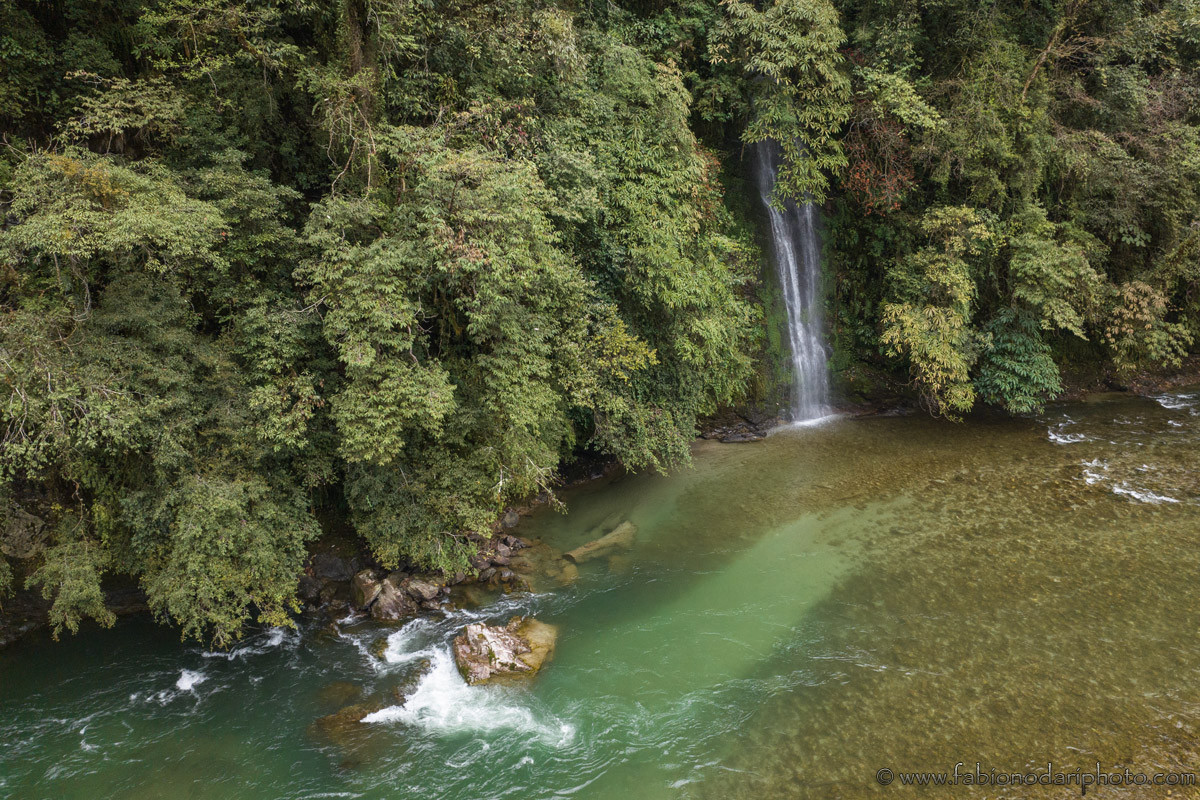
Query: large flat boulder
(485, 653)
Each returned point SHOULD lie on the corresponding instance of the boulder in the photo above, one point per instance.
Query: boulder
(392, 603)
(329, 567)
(23, 535)
(308, 589)
(421, 590)
(510, 519)
(738, 437)
(334, 592)
(620, 538)
(502, 550)
(489, 652)
(541, 637)
(364, 588)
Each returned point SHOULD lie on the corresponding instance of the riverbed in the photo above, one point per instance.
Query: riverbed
(795, 615)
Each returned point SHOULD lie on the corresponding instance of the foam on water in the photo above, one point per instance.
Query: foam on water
(1142, 495)
(188, 679)
(1057, 433)
(1096, 471)
(444, 704)
(1093, 471)
(1176, 402)
(815, 422)
(267, 641)
(406, 645)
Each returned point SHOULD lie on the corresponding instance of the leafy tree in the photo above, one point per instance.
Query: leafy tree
(928, 322)
(799, 91)
(1017, 370)
(389, 265)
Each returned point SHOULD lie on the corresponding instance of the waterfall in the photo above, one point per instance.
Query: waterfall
(796, 250)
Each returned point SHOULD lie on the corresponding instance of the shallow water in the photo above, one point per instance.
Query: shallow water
(795, 615)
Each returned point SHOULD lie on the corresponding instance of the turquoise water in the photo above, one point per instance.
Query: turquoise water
(794, 615)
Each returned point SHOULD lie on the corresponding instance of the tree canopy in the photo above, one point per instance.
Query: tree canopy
(270, 267)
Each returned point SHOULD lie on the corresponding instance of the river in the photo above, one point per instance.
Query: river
(796, 614)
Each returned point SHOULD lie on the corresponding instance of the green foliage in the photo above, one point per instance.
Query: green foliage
(928, 322)
(391, 263)
(1138, 331)
(799, 91)
(1052, 278)
(70, 575)
(1071, 129)
(120, 397)
(384, 263)
(230, 545)
(6, 580)
(459, 325)
(1016, 370)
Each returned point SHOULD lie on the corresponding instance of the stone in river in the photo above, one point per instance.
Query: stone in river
(488, 652)
(364, 588)
(392, 603)
(422, 590)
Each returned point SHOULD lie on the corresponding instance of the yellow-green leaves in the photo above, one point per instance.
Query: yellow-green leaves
(928, 322)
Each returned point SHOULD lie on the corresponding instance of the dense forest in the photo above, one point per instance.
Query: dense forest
(272, 267)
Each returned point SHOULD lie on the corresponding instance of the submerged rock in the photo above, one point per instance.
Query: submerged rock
(620, 538)
(488, 652)
(619, 563)
(568, 574)
(339, 693)
(379, 648)
(344, 730)
(356, 742)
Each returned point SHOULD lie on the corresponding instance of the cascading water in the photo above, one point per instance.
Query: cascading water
(796, 250)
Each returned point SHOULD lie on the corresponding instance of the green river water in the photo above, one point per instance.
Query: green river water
(796, 614)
